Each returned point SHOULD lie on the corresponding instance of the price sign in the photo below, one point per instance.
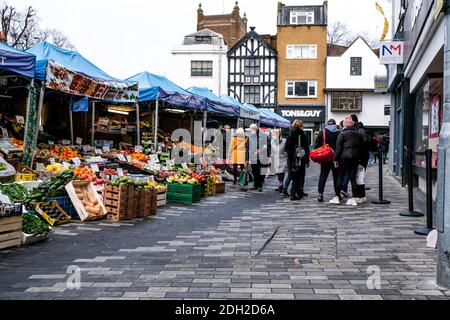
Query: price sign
(40, 167)
(76, 161)
(120, 172)
(138, 149)
(154, 158)
(106, 149)
(51, 143)
(184, 165)
(5, 133)
(86, 148)
(129, 158)
(151, 179)
(98, 151)
(20, 119)
(95, 168)
(79, 141)
(52, 160)
(66, 164)
(66, 142)
(121, 158)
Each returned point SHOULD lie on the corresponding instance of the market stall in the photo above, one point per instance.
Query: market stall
(247, 114)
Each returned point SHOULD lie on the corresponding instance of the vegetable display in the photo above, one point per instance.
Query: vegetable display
(34, 226)
(2, 166)
(17, 193)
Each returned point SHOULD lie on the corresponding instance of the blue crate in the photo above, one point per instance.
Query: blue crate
(66, 204)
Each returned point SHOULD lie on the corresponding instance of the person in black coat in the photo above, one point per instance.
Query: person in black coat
(349, 151)
(258, 155)
(365, 154)
(384, 146)
(331, 136)
(297, 163)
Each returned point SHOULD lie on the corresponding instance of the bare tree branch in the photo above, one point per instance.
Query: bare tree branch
(338, 34)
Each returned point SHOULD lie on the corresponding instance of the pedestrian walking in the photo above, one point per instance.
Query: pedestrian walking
(384, 147)
(298, 159)
(278, 157)
(237, 152)
(259, 153)
(364, 160)
(349, 146)
(328, 136)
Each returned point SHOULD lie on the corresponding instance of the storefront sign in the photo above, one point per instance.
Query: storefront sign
(391, 52)
(381, 85)
(434, 118)
(62, 79)
(307, 114)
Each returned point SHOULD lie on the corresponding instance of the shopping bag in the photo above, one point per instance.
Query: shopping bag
(360, 176)
(324, 153)
(243, 178)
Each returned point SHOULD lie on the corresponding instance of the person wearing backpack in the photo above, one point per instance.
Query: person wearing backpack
(298, 159)
(329, 136)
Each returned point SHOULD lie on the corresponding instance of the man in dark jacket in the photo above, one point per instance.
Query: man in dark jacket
(365, 155)
(331, 135)
(348, 155)
(297, 146)
(384, 146)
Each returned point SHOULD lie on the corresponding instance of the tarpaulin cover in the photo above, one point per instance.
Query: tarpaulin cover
(79, 104)
(265, 118)
(279, 120)
(72, 60)
(154, 87)
(245, 111)
(17, 61)
(215, 104)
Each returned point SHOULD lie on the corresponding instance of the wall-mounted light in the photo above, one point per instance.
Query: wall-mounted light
(119, 112)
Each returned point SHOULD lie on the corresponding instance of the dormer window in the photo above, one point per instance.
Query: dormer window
(202, 40)
(302, 17)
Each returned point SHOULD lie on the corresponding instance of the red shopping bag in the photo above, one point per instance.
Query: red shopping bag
(323, 154)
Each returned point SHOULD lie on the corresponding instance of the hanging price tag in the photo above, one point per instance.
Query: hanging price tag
(121, 157)
(98, 151)
(106, 149)
(95, 168)
(86, 148)
(5, 133)
(184, 165)
(40, 167)
(66, 142)
(129, 159)
(76, 161)
(51, 143)
(52, 160)
(79, 141)
(20, 119)
(157, 167)
(120, 172)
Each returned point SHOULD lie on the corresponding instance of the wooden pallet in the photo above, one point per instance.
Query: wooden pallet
(10, 232)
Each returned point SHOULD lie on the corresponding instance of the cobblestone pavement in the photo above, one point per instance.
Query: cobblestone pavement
(212, 250)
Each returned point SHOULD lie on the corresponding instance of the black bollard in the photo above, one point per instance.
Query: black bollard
(410, 212)
(424, 231)
(380, 184)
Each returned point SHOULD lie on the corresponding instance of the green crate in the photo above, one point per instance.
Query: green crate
(183, 198)
(189, 189)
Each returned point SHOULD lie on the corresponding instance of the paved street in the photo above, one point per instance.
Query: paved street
(212, 251)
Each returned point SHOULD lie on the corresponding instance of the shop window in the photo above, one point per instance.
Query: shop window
(301, 89)
(346, 101)
(355, 66)
(201, 68)
(252, 94)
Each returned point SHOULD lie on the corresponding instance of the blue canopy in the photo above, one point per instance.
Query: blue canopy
(153, 87)
(279, 120)
(215, 104)
(72, 60)
(246, 111)
(17, 61)
(266, 119)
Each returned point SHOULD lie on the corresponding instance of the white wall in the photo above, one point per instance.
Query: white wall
(180, 71)
(372, 114)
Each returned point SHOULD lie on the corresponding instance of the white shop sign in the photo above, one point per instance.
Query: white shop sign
(391, 52)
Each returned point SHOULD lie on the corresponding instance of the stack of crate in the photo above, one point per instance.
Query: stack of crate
(184, 193)
(139, 203)
(119, 202)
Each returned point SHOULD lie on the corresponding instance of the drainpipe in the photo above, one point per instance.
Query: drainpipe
(443, 199)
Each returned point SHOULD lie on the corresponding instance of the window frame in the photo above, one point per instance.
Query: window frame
(291, 86)
(294, 17)
(339, 97)
(252, 94)
(352, 66)
(202, 71)
(290, 51)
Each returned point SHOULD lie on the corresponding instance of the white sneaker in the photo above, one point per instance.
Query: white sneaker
(352, 202)
(361, 200)
(335, 200)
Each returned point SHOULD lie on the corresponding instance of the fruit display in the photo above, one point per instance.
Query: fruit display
(181, 179)
(157, 186)
(197, 176)
(89, 201)
(66, 153)
(56, 168)
(139, 156)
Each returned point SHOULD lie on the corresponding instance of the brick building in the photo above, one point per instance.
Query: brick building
(232, 26)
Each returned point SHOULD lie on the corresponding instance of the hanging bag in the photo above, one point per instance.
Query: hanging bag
(244, 177)
(324, 153)
(300, 154)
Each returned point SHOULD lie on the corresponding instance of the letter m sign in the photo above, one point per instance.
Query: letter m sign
(391, 52)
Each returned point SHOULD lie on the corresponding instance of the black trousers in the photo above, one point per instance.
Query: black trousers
(257, 176)
(350, 168)
(298, 180)
(325, 169)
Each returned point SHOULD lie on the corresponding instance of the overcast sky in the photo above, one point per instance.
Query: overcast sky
(125, 37)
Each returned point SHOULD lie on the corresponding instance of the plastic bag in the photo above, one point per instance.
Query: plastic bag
(9, 171)
(360, 176)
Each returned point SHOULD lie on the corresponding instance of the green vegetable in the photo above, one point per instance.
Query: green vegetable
(31, 224)
(17, 193)
(2, 166)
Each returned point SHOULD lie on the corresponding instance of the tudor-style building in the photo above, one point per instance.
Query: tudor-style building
(252, 71)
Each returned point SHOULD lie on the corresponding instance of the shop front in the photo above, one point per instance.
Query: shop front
(312, 116)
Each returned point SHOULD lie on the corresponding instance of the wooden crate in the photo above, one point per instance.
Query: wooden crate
(161, 199)
(220, 188)
(119, 202)
(79, 207)
(10, 232)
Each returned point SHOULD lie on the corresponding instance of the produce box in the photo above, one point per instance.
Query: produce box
(86, 200)
(10, 232)
(220, 188)
(161, 198)
(183, 198)
(66, 204)
(185, 188)
(118, 201)
(28, 239)
(26, 177)
(53, 213)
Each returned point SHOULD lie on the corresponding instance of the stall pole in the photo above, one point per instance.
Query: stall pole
(71, 127)
(424, 231)
(205, 131)
(38, 119)
(156, 124)
(138, 126)
(27, 121)
(93, 125)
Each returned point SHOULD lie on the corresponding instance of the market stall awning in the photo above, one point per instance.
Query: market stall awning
(154, 87)
(279, 120)
(16, 61)
(265, 119)
(245, 111)
(215, 104)
(68, 71)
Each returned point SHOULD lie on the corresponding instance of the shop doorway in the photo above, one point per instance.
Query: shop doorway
(309, 135)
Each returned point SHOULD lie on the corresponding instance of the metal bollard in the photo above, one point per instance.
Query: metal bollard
(380, 183)
(424, 231)
(410, 212)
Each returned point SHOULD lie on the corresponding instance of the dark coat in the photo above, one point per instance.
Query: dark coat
(295, 136)
(331, 138)
(384, 144)
(367, 140)
(349, 146)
